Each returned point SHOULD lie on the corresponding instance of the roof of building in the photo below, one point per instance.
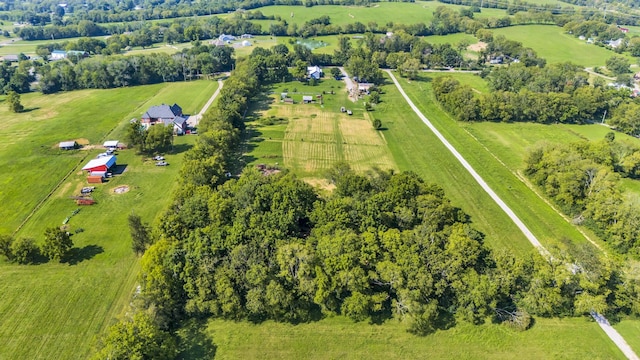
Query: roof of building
(312, 69)
(61, 52)
(307, 98)
(162, 112)
(179, 120)
(10, 58)
(109, 161)
(110, 143)
(65, 144)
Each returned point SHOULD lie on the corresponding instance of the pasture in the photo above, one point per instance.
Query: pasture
(309, 138)
(58, 310)
(380, 13)
(563, 48)
(339, 337)
(542, 220)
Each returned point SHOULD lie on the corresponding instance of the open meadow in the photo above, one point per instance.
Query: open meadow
(59, 310)
(339, 337)
(546, 223)
(563, 48)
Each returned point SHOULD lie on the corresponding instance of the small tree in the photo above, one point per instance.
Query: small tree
(336, 73)
(13, 99)
(374, 98)
(5, 246)
(158, 137)
(57, 243)
(136, 134)
(24, 250)
(140, 238)
(377, 124)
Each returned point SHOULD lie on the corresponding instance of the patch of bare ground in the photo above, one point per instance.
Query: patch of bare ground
(477, 47)
(121, 189)
(319, 183)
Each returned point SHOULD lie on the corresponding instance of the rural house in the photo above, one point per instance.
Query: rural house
(58, 55)
(226, 38)
(314, 72)
(167, 115)
(68, 145)
(100, 164)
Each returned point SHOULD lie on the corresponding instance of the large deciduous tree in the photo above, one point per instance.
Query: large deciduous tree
(57, 243)
(13, 99)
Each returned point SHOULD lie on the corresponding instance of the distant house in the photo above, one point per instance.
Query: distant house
(58, 55)
(582, 37)
(100, 164)
(615, 43)
(167, 115)
(246, 36)
(624, 30)
(314, 72)
(307, 99)
(591, 40)
(68, 145)
(226, 38)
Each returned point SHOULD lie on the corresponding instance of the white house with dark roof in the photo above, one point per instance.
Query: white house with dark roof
(226, 38)
(167, 115)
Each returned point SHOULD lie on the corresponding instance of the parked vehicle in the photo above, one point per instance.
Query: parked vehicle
(158, 158)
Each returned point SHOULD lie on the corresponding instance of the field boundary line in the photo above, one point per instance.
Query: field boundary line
(612, 333)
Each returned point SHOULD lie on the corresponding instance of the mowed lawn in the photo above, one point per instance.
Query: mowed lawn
(31, 164)
(309, 138)
(630, 331)
(58, 311)
(563, 48)
(341, 338)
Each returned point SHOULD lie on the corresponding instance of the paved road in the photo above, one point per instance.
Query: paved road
(194, 120)
(600, 319)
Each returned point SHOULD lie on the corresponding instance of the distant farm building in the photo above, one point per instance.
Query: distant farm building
(314, 72)
(58, 55)
(624, 30)
(307, 99)
(166, 115)
(111, 144)
(100, 164)
(364, 88)
(68, 145)
(10, 58)
(226, 38)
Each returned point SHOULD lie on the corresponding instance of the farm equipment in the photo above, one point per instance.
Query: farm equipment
(80, 200)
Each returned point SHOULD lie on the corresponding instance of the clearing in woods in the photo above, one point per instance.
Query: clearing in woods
(309, 138)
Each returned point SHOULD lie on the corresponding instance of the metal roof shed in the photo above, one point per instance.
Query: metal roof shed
(68, 145)
(111, 144)
(100, 164)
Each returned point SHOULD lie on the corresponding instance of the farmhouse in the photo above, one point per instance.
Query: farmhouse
(68, 145)
(100, 164)
(167, 115)
(58, 55)
(314, 72)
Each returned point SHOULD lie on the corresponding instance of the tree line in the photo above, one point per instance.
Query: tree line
(583, 179)
(556, 93)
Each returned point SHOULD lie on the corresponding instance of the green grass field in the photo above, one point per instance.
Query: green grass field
(57, 311)
(542, 220)
(630, 331)
(340, 338)
(315, 136)
(31, 162)
(564, 47)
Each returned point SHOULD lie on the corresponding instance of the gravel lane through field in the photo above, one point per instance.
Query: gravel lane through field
(600, 319)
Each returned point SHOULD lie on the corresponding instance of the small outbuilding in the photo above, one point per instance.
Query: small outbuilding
(100, 164)
(111, 144)
(68, 145)
(307, 99)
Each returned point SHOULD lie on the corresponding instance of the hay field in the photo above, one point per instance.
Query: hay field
(312, 144)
